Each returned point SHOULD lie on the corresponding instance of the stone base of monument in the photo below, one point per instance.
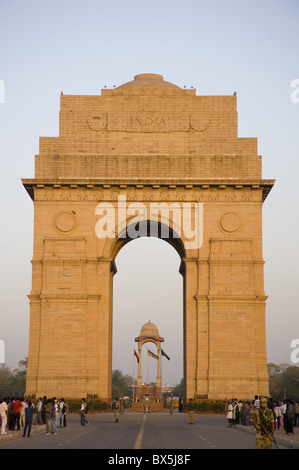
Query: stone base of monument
(151, 407)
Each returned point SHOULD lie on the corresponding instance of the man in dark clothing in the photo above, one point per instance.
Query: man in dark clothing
(270, 405)
(290, 417)
(28, 419)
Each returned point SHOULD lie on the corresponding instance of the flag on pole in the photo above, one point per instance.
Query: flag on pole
(136, 355)
(150, 353)
(164, 354)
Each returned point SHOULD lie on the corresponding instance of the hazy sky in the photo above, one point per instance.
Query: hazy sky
(218, 47)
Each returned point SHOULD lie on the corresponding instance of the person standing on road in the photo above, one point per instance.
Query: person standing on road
(22, 413)
(39, 407)
(289, 417)
(10, 413)
(296, 414)
(53, 427)
(16, 414)
(57, 412)
(45, 401)
(116, 409)
(277, 415)
(62, 413)
(235, 410)
(263, 421)
(83, 412)
(29, 410)
(229, 414)
(256, 402)
(3, 414)
(47, 409)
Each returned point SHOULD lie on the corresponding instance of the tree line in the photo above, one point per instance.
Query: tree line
(13, 383)
(284, 381)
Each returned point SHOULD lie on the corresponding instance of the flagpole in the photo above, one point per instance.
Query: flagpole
(133, 375)
(161, 356)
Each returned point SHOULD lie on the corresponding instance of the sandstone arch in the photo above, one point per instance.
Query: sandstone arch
(152, 142)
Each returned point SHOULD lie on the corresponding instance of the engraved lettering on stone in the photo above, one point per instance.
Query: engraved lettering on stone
(148, 122)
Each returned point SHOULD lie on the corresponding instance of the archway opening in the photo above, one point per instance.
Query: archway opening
(148, 285)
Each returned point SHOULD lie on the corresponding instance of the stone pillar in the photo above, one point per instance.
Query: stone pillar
(237, 319)
(139, 377)
(105, 272)
(191, 328)
(159, 367)
(34, 344)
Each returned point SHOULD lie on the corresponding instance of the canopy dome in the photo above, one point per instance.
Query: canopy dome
(149, 330)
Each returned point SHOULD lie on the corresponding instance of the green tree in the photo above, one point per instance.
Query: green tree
(178, 390)
(284, 381)
(6, 382)
(13, 383)
(20, 378)
(121, 384)
(273, 369)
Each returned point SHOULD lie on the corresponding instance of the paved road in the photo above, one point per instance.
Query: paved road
(140, 431)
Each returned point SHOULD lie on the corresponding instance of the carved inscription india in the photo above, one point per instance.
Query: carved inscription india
(148, 121)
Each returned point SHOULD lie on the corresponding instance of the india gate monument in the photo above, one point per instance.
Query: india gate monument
(148, 158)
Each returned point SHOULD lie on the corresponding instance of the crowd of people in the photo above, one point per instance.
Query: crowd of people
(285, 414)
(20, 414)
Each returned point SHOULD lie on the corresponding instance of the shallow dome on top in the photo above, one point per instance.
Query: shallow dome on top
(151, 81)
(148, 79)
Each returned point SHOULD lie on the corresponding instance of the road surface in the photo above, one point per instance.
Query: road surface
(139, 432)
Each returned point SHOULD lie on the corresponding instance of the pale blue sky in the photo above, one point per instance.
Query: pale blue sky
(218, 47)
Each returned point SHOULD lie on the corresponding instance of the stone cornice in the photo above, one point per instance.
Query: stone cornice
(64, 297)
(155, 183)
